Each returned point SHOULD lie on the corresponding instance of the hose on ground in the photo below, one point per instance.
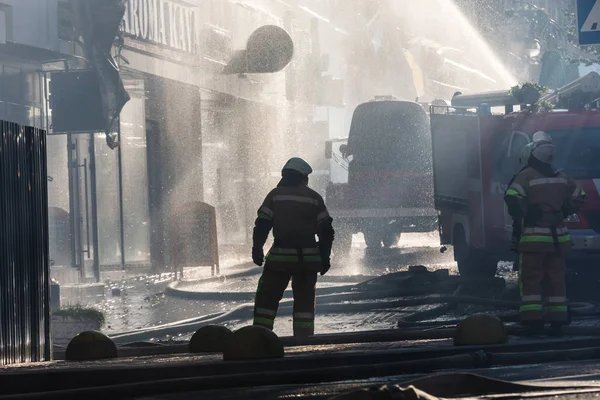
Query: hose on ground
(193, 324)
(472, 360)
(351, 292)
(244, 312)
(347, 302)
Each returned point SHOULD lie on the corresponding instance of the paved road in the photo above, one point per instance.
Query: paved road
(143, 302)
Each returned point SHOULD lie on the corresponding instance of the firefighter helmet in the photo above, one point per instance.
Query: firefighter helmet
(541, 148)
(299, 165)
(525, 154)
(541, 136)
(543, 151)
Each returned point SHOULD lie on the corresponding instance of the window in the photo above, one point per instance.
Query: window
(502, 172)
(519, 141)
(390, 132)
(577, 152)
(66, 29)
(507, 165)
(6, 23)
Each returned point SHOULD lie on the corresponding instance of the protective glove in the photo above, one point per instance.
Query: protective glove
(258, 256)
(325, 266)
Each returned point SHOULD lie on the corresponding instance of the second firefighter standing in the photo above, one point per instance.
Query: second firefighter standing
(539, 199)
(296, 214)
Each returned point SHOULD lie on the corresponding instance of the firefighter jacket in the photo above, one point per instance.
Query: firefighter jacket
(543, 202)
(297, 214)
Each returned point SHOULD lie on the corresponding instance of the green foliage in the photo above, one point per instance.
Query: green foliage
(517, 90)
(81, 313)
(546, 105)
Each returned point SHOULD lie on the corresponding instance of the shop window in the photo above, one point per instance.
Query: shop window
(107, 194)
(58, 200)
(136, 217)
(66, 29)
(11, 85)
(6, 23)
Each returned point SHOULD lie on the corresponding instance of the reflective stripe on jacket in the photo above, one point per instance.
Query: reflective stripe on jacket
(295, 212)
(551, 198)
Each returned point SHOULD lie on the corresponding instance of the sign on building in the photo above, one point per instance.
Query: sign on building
(163, 22)
(588, 21)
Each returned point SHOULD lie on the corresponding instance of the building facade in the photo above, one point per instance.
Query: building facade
(193, 133)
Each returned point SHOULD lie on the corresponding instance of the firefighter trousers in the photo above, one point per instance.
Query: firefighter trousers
(271, 287)
(542, 281)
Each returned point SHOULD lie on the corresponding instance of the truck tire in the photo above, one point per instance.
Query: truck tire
(391, 239)
(471, 263)
(372, 238)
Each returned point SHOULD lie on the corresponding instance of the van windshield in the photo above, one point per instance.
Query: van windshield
(578, 152)
(390, 132)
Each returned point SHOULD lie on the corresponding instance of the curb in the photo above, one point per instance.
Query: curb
(176, 289)
(250, 269)
(245, 296)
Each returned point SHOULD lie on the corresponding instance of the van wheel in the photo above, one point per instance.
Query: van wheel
(372, 238)
(472, 263)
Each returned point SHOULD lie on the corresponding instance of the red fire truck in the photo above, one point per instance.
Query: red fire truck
(390, 183)
(476, 153)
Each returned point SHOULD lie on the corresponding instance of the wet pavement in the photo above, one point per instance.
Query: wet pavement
(142, 302)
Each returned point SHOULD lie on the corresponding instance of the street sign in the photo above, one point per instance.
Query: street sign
(588, 21)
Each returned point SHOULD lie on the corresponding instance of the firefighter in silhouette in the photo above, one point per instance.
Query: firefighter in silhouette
(297, 214)
(542, 198)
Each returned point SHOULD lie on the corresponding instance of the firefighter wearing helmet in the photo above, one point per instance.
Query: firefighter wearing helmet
(540, 198)
(296, 214)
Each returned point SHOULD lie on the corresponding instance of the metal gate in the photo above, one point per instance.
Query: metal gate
(24, 265)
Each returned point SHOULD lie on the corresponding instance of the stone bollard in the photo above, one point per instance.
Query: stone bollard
(210, 339)
(90, 345)
(253, 343)
(418, 269)
(480, 329)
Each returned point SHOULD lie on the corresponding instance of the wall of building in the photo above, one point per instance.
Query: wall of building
(192, 133)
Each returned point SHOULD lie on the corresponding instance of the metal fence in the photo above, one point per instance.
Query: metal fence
(24, 264)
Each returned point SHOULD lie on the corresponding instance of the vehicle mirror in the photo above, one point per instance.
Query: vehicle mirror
(328, 150)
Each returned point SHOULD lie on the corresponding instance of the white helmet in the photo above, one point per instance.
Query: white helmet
(543, 149)
(541, 136)
(299, 165)
(544, 152)
(525, 154)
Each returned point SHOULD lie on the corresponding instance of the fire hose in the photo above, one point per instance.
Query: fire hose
(234, 377)
(244, 311)
(358, 298)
